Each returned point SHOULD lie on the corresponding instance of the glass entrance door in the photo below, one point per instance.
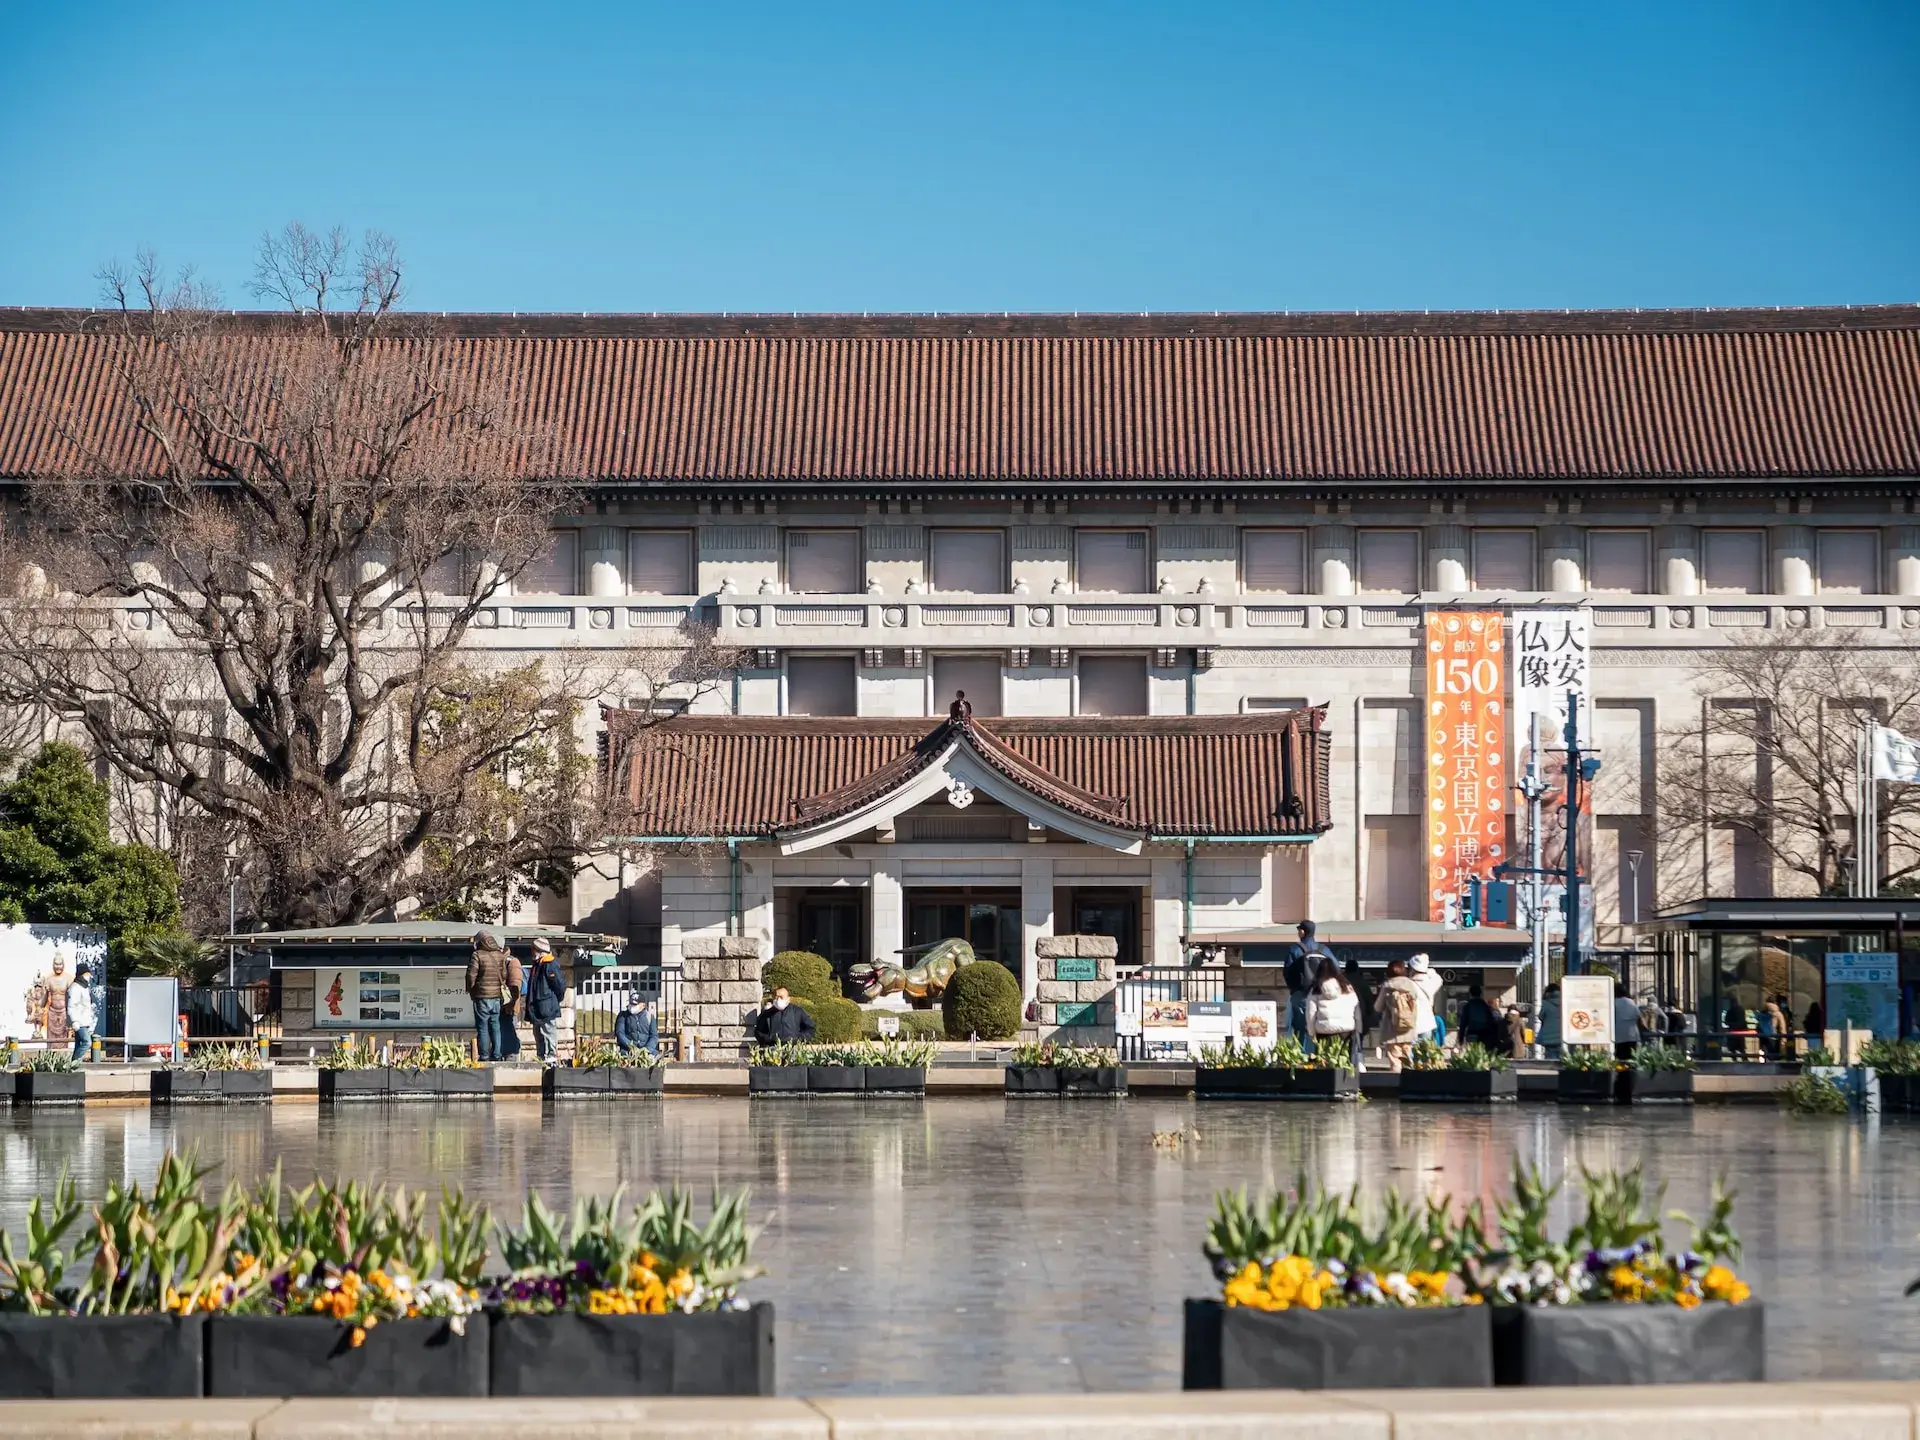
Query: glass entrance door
(988, 920)
(1110, 912)
(834, 925)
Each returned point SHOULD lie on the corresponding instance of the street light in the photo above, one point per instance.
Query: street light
(1633, 869)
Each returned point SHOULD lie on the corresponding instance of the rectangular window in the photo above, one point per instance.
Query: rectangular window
(823, 562)
(1111, 561)
(1503, 560)
(1389, 562)
(555, 570)
(449, 575)
(821, 685)
(1274, 561)
(660, 562)
(1734, 562)
(1620, 561)
(1849, 562)
(1113, 685)
(977, 675)
(1394, 869)
(969, 562)
(1262, 704)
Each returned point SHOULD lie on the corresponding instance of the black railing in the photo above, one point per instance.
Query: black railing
(1136, 994)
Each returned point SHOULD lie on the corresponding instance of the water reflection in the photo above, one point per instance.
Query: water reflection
(985, 1245)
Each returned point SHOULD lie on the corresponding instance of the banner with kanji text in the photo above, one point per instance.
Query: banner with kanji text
(1467, 755)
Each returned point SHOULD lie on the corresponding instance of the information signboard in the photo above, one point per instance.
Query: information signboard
(1586, 1010)
(1863, 989)
(422, 996)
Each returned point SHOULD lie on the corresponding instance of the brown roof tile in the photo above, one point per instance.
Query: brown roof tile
(957, 400)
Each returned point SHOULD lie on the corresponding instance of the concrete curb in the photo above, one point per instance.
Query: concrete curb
(1833, 1410)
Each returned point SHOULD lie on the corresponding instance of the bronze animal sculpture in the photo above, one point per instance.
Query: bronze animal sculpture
(921, 983)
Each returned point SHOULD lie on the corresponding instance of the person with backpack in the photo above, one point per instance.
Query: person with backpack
(1480, 1022)
(1397, 1002)
(1420, 970)
(1333, 1009)
(546, 998)
(1302, 964)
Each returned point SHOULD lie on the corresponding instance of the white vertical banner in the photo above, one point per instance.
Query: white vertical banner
(1552, 656)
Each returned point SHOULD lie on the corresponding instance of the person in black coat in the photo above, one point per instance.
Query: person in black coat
(546, 992)
(636, 1029)
(782, 1021)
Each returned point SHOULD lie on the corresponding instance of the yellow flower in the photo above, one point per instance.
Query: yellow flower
(1720, 1283)
(1686, 1299)
(1245, 1288)
(359, 1336)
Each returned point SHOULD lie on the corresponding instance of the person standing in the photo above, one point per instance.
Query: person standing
(636, 1028)
(1479, 1022)
(493, 975)
(1774, 1023)
(1428, 980)
(1626, 1023)
(1516, 1032)
(546, 995)
(1398, 1002)
(80, 1012)
(1816, 1025)
(1549, 1028)
(1303, 962)
(782, 1021)
(1333, 1009)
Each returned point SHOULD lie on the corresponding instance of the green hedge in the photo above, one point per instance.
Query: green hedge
(806, 975)
(914, 1024)
(836, 1021)
(982, 999)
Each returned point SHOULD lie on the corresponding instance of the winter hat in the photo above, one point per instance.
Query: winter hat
(1419, 964)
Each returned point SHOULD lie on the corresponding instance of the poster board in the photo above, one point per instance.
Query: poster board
(153, 1011)
(1467, 757)
(1256, 1024)
(1586, 1010)
(1209, 1024)
(27, 953)
(351, 998)
(1163, 1022)
(1863, 988)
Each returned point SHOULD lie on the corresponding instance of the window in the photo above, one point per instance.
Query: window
(1620, 561)
(1734, 562)
(823, 562)
(1389, 562)
(1111, 560)
(451, 574)
(970, 562)
(1274, 560)
(1396, 873)
(821, 685)
(1113, 685)
(1261, 704)
(660, 562)
(977, 675)
(1849, 562)
(555, 570)
(1503, 560)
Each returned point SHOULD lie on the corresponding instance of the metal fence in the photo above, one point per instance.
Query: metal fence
(213, 1012)
(1135, 995)
(600, 994)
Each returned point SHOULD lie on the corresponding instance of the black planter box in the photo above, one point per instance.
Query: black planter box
(722, 1352)
(1239, 1082)
(1586, 1087)
(49, 1087)
(836, 1079)
(1469, 1086)
(353, 1085)
(1628, 1344)
(180, 1087)
(268, 1355)
(1654, 1087)
(1897, 1093)
(101, 1357)
(776, 1079)
(6, 1087)
(895, 1080)
(441, 1084)
(1065, 1080)
(1234, 1348)
(564, 1083)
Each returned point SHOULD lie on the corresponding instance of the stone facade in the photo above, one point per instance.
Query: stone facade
(1052, 993)
(720, 988)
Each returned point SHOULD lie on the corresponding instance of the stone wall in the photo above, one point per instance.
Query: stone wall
(1051, 992)
(720, 989)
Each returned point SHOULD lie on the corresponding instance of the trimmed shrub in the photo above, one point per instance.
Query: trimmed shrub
(982, 999)
(836, 1021)
(806, 975)
(914, 1024)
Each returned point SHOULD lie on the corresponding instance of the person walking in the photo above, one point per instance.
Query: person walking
(1548, 1030)
(1420, 970)
(546, 995)
(1626, 1023)
(80, 1012)
(1398, 1003)
(1333, 1009)
(636, 1028)
(1516, 1032)
(782, 1021)
(1302, 963)
(493, 975)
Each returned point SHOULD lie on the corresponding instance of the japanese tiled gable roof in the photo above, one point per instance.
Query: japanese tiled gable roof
(702, 776)
(1048, 402)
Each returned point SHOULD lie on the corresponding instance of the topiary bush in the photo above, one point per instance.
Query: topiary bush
(836, 1021)
(914, 1024)
(806, 975)
(982, 999)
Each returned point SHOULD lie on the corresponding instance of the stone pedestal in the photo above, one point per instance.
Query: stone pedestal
(1073, 985)
(719, 990)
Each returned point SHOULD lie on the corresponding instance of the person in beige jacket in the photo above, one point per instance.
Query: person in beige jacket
(1398, 1003)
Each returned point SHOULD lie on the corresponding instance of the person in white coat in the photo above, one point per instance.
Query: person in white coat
(1428, 981)
(1333, 1009)
(80, 1012)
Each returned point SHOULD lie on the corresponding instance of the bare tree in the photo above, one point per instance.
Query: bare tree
(256, 581)
(1768, 764)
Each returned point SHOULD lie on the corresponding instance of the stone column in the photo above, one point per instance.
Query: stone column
(1566, 559)
(886, 922)
(719, 990)
(1168, 904)
(1332, 551)
(1076, 972)
(1793, 560)
(606, 560)
(1448, 564)
(1906, 560)
(756, 899)
(1036, 918)
(1677, 559)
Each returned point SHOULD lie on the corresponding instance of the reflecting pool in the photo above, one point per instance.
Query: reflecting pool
(986, 1245)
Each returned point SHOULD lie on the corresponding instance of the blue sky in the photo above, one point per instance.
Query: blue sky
(901, 156)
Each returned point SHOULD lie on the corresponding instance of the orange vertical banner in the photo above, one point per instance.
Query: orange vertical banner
(1466, 751)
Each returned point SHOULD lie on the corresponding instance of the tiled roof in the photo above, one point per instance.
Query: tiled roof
(1054, 400)
(703, 776)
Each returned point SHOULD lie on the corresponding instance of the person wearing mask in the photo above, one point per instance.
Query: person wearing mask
(546, 993)
(1549, 1027)
(493, 975)
(1333, 1009)
(1480, 1022)
(1303, 962)
(636, 1028)
(1429, 980)
(1398, 1003)
(80, 1012)
(1626, 1023)
(781, 1021)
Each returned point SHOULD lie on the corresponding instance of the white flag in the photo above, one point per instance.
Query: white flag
(1895, 757)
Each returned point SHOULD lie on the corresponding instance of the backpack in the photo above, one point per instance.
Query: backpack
(1403, 1011)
